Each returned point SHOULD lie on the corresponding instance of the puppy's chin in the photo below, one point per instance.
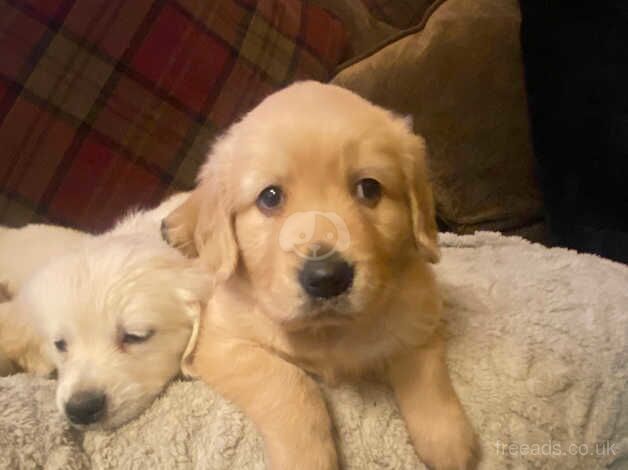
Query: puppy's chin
(313, 314)
(300, 313)
(317, 321)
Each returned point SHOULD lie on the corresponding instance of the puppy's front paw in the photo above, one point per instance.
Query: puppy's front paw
(447, 442)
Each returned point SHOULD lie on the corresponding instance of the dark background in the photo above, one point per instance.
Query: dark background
(576, 61)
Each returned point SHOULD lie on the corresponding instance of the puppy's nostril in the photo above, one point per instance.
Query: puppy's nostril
(86, 407)
(326, 278)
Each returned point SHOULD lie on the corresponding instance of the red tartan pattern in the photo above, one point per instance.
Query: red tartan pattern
(110, 104)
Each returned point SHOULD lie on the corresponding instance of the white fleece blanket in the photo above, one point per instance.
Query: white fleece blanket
(538, 353)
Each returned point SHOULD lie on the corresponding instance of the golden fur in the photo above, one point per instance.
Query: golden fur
(262, 338)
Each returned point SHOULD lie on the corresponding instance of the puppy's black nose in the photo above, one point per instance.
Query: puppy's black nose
(86, 407)
(326, 278)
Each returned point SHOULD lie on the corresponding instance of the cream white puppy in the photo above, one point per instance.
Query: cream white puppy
(114, 314)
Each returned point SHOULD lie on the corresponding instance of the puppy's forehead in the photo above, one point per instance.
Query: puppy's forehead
(314, 99)
(317, 159)
(295, 136)
(102, 286)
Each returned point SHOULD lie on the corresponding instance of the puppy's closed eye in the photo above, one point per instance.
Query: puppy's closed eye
(136, 337)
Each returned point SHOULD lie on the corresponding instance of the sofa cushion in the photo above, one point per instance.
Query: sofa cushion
(109, 104)
(460, 77)
(371, 23)
(364, 31)
(399, 13)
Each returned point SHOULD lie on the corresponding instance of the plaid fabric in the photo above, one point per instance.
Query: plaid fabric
(108, 104)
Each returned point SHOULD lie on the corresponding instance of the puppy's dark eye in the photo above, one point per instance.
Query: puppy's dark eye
(270, 199)
(61, 345)
(135, 338)
(368, 191)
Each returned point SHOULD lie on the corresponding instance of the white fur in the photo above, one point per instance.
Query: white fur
(98, 288)
(24, 250)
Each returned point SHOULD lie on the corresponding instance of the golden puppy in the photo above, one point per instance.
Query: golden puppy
(315, 214)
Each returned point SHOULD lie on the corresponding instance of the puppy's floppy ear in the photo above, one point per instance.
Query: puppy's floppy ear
(186, 360)
(203, 226)
(20, 345)
(421, 199)
(194, 296)
(179, 226)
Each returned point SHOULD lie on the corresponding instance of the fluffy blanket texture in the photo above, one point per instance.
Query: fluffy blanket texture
(538, 353)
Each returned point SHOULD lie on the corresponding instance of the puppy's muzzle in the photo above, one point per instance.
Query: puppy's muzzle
(326, 278)
(86, 407)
